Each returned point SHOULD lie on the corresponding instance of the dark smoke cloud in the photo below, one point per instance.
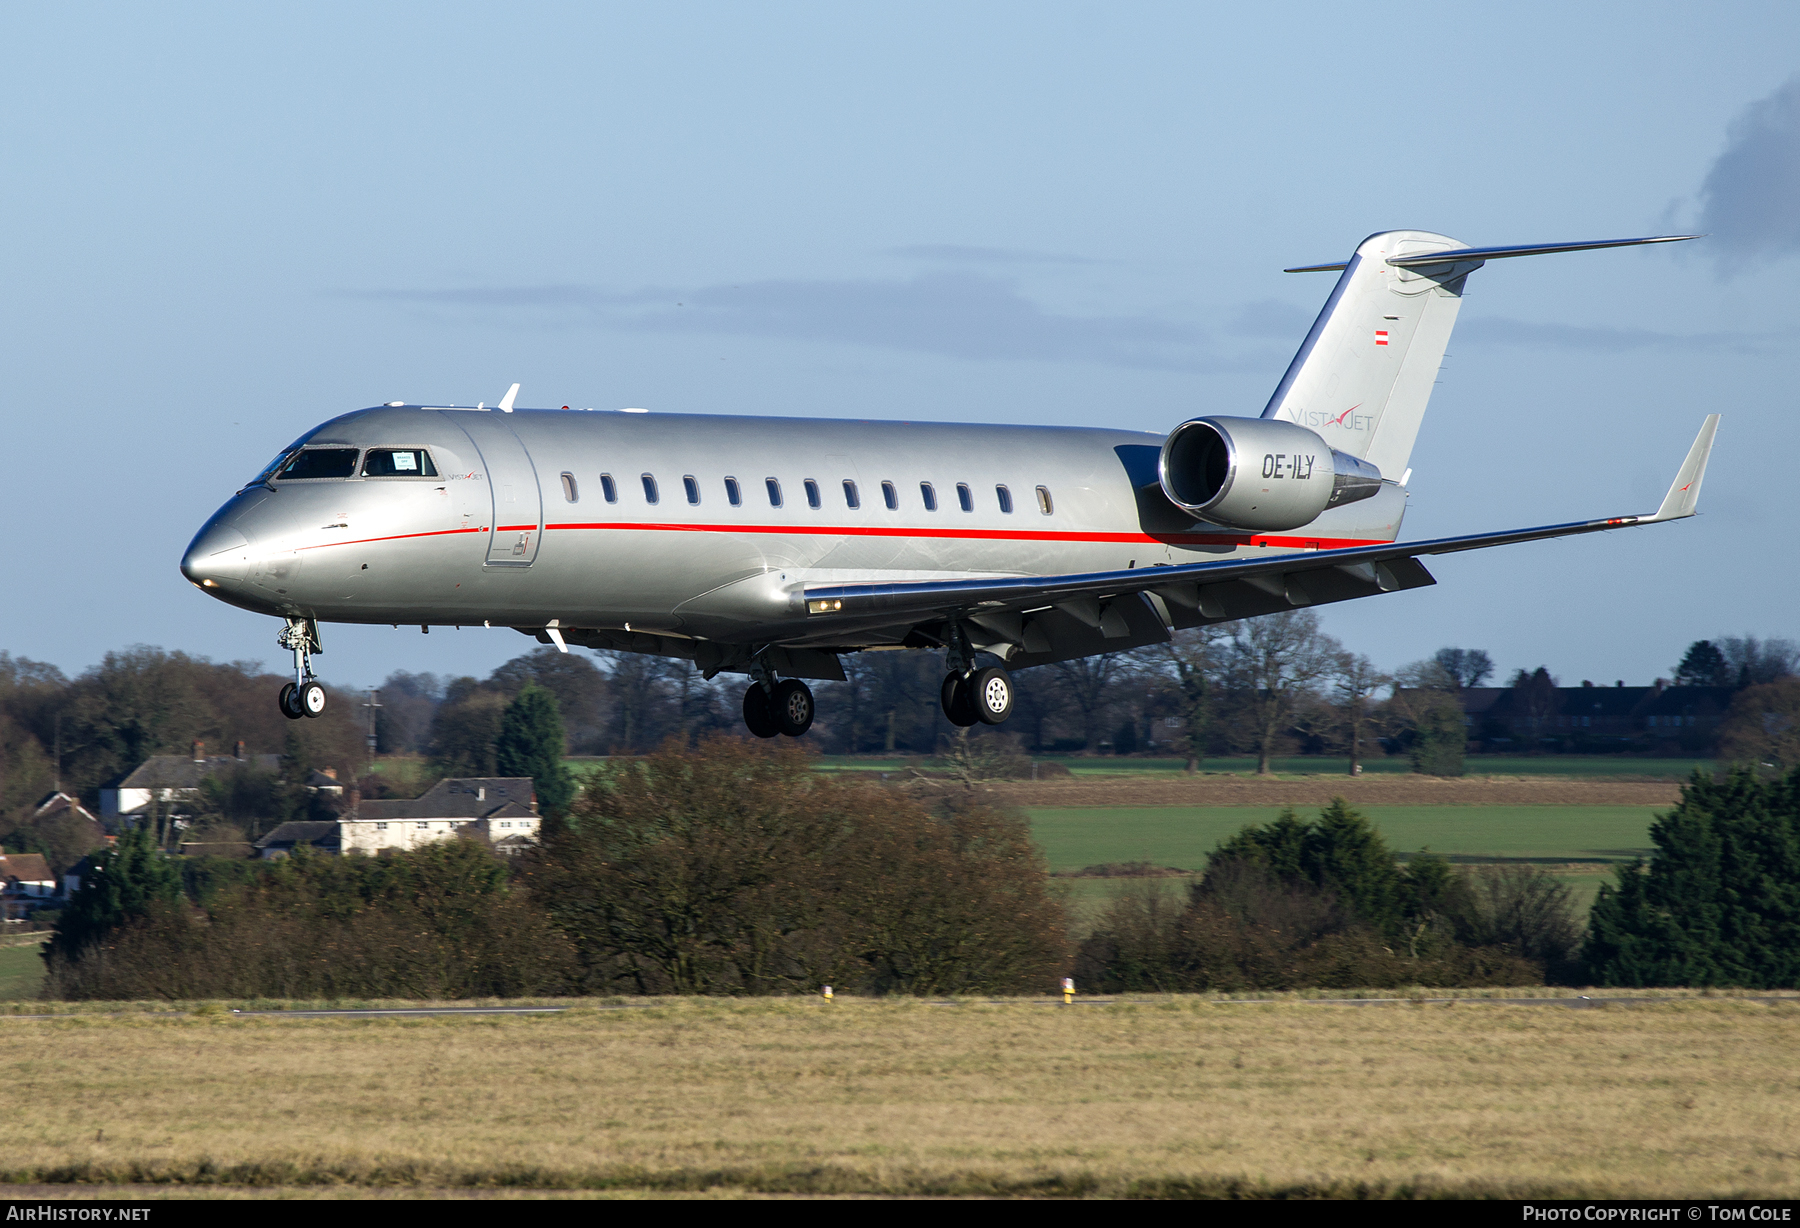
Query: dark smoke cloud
(1750, 202)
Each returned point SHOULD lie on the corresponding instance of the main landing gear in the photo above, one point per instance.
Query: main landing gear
(982, 695)
(303, 696)
(972, 693)
(784, 707)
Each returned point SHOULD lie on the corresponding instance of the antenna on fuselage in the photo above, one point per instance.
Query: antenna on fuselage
(506, 401)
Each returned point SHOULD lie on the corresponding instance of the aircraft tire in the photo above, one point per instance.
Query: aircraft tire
(991, 693)
(310, 699)
(759, 713)
(289, 708)
(793, 704)
(959, 703)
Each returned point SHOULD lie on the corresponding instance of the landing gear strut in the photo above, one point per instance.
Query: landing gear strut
(303, 696)
(970, 693)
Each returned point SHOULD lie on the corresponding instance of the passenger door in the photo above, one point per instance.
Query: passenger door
(518, 506)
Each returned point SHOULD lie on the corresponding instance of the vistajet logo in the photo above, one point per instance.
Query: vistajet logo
(1349, 420)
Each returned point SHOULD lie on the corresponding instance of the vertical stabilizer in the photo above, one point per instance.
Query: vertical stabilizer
(1364, 374)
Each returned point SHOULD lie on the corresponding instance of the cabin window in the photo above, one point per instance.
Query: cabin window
(964, 498)
(733, 495)
(929, 495)
(851, 498)
(691, 487)
(1044, 504)
(570, 491)
(1005, 497)
(812, 494)
(608, 488)
(890, 496)
(398, 463)
(319, 463)
(649, 489)
(774, 488)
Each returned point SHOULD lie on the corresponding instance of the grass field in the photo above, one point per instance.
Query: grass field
(1183, 836)
(1310, 765)
(21, 973)
(1164, 1097)
(1576, 843)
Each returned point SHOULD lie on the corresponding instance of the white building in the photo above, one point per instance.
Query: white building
(500, 809)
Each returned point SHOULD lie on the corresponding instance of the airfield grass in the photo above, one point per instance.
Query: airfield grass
(1686, 1097)
(21, 972)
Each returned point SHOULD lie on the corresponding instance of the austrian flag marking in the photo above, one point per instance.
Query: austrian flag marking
(1381, 336)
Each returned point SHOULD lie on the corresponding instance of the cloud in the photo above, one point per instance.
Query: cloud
(1750, 202)
(1497, 330)
(951, 313)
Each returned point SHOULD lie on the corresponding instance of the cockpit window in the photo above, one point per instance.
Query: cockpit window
(399, 463)
(268, 470)
(319, 463)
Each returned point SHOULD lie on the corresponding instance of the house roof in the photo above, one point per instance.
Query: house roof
(26, 867)
(186, 772)
(459, 797)
(57, 802)
(322, 832)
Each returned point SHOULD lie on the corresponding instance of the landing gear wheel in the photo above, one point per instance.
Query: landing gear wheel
(959, 704)
(793, 704)
(290, 707)
(991, 691)
(311, 699)
(759, 713)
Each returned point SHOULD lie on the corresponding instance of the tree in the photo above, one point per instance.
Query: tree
(1192, 661)
(1468, 667)
(1277, 661)
(1719, 903)
(126, 882)
(464, 729)
(1354, 682)
(580, 688)
(530, 743)
(1752, 662)
(1534, 706)
(1703, 665)
(1088, 683)
(1762, 728)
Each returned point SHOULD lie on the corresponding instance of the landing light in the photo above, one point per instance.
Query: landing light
(827, 606)
(209, 584)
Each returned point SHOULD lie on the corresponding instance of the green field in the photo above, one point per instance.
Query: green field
(21, 972)
(1182, 836)
(1560, 837)
(1610, 767)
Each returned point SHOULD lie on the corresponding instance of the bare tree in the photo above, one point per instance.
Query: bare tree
(1354, 682)
(1278, 661)
(1192, 661)
(1087, 683)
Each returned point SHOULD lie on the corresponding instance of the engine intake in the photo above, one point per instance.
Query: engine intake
(1259, 473)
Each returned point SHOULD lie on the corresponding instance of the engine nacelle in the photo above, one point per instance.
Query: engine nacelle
(1259, 473)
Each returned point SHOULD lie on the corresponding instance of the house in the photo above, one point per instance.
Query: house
(1657, 717)
(26, 883)
(173, 779)
(321, 834)
(501, 809)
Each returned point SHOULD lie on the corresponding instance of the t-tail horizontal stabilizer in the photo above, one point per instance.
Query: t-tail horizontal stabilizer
(1458, 255)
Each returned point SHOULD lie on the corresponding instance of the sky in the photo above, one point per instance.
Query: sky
(227, 223)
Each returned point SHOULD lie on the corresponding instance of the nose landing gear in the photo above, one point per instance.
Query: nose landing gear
(303, 696)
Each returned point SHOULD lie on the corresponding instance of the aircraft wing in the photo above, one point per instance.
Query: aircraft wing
(1260, 585)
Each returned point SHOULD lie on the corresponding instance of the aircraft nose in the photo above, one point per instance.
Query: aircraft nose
(216, 556)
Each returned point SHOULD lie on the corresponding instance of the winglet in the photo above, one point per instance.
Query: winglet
(506, 401)
(1684, 492)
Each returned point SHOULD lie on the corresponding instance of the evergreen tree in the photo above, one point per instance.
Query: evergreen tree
(1341, 853)
(530, 743)
(126, 882)
(1719, 903)
(1440, 736)
(1703, 665)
